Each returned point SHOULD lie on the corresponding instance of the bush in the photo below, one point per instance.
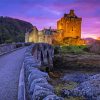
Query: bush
(56, 49)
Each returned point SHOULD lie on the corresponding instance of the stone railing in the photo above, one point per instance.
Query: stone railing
(5, 48)
(36, 81)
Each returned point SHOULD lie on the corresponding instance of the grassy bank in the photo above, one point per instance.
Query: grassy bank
(71, 49)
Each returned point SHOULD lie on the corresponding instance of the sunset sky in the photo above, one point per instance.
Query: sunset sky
(45, 13)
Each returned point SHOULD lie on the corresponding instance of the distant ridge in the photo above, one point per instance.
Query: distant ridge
(89, 38)
(13, 30)
(89, 41)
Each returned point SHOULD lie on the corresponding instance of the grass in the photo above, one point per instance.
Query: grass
(73, 49)
(70, 85)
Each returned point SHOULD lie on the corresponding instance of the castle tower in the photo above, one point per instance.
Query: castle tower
(32, 36)
(70, 24)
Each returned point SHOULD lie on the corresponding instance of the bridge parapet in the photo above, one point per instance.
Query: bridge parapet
(37, 85)
(44, 53)
(5, 48)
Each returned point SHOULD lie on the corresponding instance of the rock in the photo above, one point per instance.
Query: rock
(29, 70)
(95, 47)
(98, 98)
(28, 57)
(95, 77)
(90, 88)
(36, 81)
(35, 74)
(65, 93)
(40, 93)
(53, 97)
(28, 63)
(32, 64)
(76, 77)
(44, 85)
(30, 67)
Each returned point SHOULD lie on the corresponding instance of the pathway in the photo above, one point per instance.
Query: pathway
(10, 65)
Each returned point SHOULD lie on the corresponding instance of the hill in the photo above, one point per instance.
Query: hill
(13, 30)
(89, 41)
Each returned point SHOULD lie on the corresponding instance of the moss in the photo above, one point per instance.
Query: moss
(68, 85)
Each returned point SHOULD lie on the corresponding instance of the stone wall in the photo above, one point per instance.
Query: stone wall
(37, 85)
(6, 48)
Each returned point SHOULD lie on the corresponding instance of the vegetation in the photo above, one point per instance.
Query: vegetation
(74, 49)
(63, 85)
(13, 30)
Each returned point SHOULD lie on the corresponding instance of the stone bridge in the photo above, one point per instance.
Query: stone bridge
(44, 54)
(5, 48)
(37, 63)
(11, 64)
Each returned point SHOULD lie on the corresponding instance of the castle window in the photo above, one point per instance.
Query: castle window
(61, 24)
(72, 28)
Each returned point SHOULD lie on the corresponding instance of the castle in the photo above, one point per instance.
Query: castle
(43, 36)
(68, 32)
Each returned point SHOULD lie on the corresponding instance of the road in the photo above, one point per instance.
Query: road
(10, 65)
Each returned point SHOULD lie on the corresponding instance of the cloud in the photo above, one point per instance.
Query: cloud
(45, 13)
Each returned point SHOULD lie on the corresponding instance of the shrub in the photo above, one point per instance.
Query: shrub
(56, 49)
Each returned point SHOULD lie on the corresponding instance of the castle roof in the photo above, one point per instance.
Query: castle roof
(70, 15)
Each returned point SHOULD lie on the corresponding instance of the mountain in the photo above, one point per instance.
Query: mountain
(13, 30)
(89, 41)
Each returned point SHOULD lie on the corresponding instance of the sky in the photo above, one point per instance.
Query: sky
(45, 13)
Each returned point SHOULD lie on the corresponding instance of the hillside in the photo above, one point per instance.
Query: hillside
(13, 30)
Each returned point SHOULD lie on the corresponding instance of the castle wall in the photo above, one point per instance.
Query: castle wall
(32, 36)
(73, 28)
(41, 37)
(48, 39)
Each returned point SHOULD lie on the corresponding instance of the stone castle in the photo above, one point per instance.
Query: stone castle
(68, 32)
(43, 36)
